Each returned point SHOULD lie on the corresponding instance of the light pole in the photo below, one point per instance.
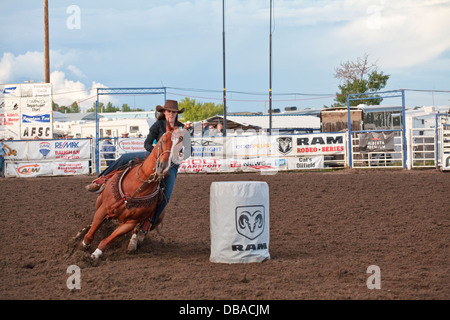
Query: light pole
(46, 44)
(224, 83)
(270, 71)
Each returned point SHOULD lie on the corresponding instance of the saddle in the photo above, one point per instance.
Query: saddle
(133, 201)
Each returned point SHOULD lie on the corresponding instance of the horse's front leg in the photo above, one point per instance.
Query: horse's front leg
(99, 218)
(121, 230)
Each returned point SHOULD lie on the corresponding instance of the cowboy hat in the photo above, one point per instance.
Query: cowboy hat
(170, 105)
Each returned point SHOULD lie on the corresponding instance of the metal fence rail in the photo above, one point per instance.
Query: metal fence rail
(378, 159)
(422, 151)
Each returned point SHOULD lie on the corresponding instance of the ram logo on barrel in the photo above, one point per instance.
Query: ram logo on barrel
(250, 221)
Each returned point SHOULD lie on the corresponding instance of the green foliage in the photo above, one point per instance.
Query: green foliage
(195, 111)
(74, 108)
(110, 108)
(359, 76)
(375, 82)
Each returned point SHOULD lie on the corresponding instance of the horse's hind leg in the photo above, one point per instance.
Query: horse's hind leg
(121, 230)
(82, 233)
(136, 239)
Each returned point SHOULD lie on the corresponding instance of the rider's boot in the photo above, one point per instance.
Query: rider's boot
(96, 184)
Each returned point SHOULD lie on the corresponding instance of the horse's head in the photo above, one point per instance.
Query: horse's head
(170, 149)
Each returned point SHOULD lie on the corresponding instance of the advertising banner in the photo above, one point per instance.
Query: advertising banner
(47, 157)
(56, 168)
(50, 150)
(128, 145)
(263, 164)
(35, 130)
(250, 146)
(319, 144)
(210, 165)
(10, 90)
(10, 117)
(28, 169)
(208, 147)
(69, 149)
(305, 163)
(36, 104)
(197, 165)
(26, 111)
(70, 168)
(16, 150)
(376, 141)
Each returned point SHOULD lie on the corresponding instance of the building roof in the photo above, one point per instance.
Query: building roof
(279, 121)
(58, 116)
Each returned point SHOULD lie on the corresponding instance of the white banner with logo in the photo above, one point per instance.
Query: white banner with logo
(127, 145)
(269, 146)
(26, 111)
(319, 144)
(47, 157)
(211, 165)
(257, 153)
(55, 168)
(305, 163)
(49, 150)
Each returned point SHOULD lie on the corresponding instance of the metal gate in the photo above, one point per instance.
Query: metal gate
(422, 153)
(443, 121)
(388, 145)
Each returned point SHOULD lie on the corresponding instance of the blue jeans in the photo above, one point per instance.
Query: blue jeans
(168, 184)
(124, 159)
(2, 166)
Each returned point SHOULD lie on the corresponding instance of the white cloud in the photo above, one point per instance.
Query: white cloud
(29, 66)
(75, 71)
(66, 91)
(401, 33)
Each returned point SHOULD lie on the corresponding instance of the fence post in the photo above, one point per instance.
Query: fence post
(350, 148)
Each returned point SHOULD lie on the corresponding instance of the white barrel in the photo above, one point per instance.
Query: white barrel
(239, 221)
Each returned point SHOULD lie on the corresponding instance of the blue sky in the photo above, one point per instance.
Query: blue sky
(178, 44)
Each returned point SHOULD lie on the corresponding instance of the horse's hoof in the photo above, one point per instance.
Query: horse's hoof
(96, 254)
(85, 246)
(132, 245)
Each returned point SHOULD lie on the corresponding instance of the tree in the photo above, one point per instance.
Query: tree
(359, 76)
(100, 108)
(111, 108)
(195, 111)
(55, 106)
(74, 108)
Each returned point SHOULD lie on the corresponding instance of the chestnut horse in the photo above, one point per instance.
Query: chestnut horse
(132, 195)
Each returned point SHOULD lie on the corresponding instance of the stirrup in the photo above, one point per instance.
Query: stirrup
(145, 226)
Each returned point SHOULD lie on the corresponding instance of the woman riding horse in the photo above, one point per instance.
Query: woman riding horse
(167, 113)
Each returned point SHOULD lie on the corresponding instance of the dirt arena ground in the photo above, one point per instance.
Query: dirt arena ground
(326, 229)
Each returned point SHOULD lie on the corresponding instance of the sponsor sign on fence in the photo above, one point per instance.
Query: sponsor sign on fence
(376, 141)
(127, 145)
(55, 168)
(26, 111)
(262, 153)
(47, 157)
